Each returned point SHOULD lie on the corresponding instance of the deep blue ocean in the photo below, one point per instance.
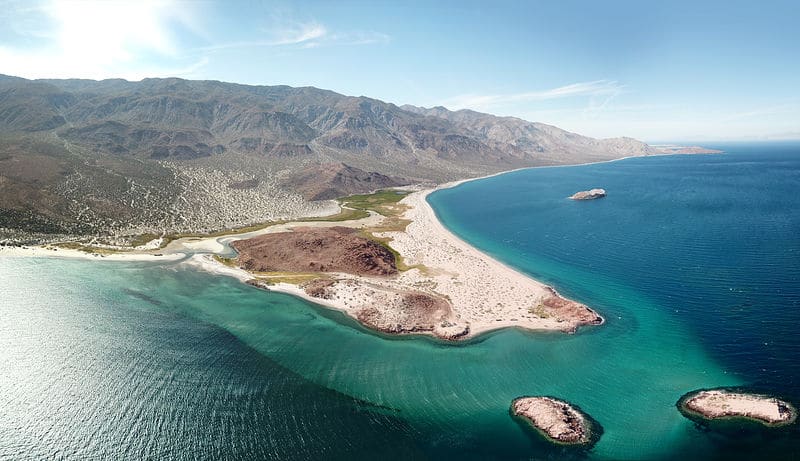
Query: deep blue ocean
(713, 240)
(693, 260)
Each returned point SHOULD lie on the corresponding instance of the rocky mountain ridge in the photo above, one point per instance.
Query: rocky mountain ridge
(113, 156)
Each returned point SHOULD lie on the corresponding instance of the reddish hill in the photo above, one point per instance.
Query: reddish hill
(307, 249)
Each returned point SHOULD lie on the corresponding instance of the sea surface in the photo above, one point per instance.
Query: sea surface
(693, 260)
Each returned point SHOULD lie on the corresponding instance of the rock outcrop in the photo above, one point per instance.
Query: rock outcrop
(390, 310)
(727, 404)
(577, 314)
(557, 420)
(590, 194)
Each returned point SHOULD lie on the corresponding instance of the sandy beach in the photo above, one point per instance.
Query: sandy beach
(49, 251)
(485, 293)
(452, 290)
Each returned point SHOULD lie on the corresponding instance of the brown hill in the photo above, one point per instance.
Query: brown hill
(309, 249)
(332, 180)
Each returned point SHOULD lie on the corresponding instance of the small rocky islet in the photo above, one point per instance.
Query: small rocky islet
(558, 421)
(723, 403)
(590, 194)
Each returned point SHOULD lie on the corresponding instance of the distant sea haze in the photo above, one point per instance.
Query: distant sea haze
(692, 260)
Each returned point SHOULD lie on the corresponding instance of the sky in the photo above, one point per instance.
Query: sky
(656, 71)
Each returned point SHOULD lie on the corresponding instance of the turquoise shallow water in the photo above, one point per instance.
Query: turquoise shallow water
(691, 259)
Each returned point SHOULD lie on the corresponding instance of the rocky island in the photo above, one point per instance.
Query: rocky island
(590, 194)
(715, 404)
(558, 421)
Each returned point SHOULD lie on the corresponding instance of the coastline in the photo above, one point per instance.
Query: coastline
(458, 182)
(484, 294)
(486, 279)
(50, 251)
(475, 281)
(471, 280)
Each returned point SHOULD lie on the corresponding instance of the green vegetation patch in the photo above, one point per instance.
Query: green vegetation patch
(345, 214)
(387, 204)
(230, 262)
(384, 202)
(539, 310)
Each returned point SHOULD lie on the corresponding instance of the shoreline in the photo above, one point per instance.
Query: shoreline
(458, 182)
(473, 284)
(509, 284)
(468, 318)
(51, 251)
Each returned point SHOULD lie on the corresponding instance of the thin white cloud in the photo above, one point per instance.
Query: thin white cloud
(26, 20)
(298, 33)
(599, 103)
(304, 35)
(603, 89)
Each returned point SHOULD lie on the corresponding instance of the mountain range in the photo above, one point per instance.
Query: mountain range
(114, 157)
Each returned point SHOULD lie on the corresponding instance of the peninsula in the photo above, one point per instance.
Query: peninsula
(670, 149)
(726, 404)
(384, 260)
(556, 420)
(399, 271)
